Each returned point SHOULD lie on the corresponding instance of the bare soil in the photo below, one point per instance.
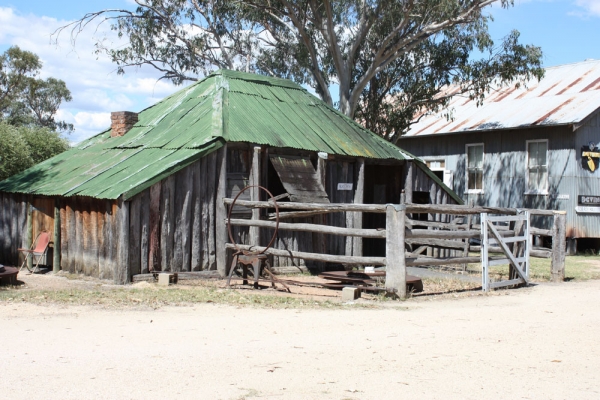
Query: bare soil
(539, 342)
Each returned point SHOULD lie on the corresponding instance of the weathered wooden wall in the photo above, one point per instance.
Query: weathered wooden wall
(172, 223)
(13, 227)
(89, 236)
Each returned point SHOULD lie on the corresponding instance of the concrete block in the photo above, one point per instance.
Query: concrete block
(350, 293)
(165, 279)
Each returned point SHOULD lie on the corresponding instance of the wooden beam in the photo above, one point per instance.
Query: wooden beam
(314, 256)
(359, 198)
(395, 279)
(221, 236)
(301, 227)
(254, 231)
(56, 239)
(559, 246)
(409, 181)
(122, 272)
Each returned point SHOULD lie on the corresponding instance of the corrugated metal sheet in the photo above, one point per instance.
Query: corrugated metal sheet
(225, 106)
(566, 95)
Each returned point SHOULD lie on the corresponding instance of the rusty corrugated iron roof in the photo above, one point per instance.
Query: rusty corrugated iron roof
(224, 107)
(566, 95)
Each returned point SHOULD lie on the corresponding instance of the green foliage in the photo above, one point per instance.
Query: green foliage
(26, 100)
(22, 147)
(392, 60)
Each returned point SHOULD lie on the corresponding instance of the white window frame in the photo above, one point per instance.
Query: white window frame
(447, 175)
(528, 190)
(467, 167)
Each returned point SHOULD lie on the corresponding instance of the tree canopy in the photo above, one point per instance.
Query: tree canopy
(388, 60)
(25, 99)
(22, 147)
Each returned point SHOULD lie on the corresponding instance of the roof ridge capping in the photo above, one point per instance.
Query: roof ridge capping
(253, 77)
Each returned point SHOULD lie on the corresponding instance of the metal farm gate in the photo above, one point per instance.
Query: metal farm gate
(497, 236)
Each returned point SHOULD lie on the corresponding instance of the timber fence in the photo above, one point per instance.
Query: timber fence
(444, 238)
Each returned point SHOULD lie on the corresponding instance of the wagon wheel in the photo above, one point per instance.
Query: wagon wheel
(229, 231)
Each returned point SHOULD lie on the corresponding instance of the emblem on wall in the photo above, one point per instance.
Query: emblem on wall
(590, 157)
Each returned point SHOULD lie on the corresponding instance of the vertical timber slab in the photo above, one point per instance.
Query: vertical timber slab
(94, 247)
(135, 252)
(212, 181)
(221, 213)
(100, 209)
(154, 245)
(86, 258)
(14, 238)
(186, 219)
(56, 239)
(395, 261)
(255, 172)
(79, 237)
(559, 246)
(409, 181)
(166, 223)
(359, 197)
(23, 225)
(29, 233)
(144, 230)
(122, 272)
(196, 210)
(70, 236)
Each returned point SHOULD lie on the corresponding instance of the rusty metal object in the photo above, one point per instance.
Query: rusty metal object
(8, 275)
(245, 258)
(275, 205)
(366, 281)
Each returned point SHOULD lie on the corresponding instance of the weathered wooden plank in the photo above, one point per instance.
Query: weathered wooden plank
(186, 220)
(302, 227)
(22, 225)
(78, 238)
(221, 214)
(70, 232)
(315, 256)
(86, 242)
(359, 198)
(255, 172)
(559, 246)
(100, 207)
(450, 244)
(135, 232)
(511, 282)
(212, 181)
(110, 241)
(56, 238)
(179, 196)
(14, 231)
(408, 181)
(167, 223)
(154, 257)
(196, 209)
(144, 230)
(122, 272)
(395, 278)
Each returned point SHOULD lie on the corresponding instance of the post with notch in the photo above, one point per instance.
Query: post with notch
(395, 279)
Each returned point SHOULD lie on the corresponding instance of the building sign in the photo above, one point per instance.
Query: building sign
(588, 200)
(590, 157)
(344, 186)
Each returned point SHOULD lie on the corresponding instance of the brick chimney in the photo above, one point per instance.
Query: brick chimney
(121, 122)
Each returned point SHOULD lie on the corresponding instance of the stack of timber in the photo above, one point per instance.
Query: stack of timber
(367, 281)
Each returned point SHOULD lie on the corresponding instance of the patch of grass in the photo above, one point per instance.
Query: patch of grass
(156, 297)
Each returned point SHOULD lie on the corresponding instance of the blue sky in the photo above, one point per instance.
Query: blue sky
(567, 30)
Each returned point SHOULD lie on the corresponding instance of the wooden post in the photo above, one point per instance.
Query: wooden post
(221, 236)
(409, 182)
(359, 197)
(56, 239)
(395, 279)
(122, 273)
(559, 231)
(30, 237)
(255, 194)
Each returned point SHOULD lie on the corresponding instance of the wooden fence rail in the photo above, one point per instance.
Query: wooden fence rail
(454, 235)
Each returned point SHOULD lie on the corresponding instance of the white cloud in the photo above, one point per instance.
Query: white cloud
(590, 7)
(95, 86)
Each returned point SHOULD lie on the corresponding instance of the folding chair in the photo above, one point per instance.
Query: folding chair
(41, 247)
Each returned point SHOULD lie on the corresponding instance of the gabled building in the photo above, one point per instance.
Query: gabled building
(535, 146)
(147, 194)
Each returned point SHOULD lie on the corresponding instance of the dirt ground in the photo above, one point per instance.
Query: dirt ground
(534, 343)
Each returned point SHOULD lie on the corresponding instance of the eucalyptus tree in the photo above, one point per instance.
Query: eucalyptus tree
(382, 62)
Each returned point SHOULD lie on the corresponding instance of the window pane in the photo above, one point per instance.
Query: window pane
(542, 150)
(472, 179)
(475, 156)
(479, 179)
(533, 180)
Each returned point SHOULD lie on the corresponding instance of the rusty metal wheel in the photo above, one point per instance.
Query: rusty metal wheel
(246, 252)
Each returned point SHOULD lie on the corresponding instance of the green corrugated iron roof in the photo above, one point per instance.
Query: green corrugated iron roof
(226, 106)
